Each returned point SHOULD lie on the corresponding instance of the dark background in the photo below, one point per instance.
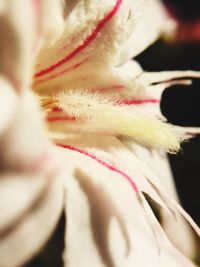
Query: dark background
(181, 105)
(186, 10)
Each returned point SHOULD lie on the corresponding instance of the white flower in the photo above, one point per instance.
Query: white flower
(102, 112)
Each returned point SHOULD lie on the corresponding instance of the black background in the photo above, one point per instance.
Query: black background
(181, 105)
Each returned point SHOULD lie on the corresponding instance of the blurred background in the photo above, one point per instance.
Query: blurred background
(180, 104)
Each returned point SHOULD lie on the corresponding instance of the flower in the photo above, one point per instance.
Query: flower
(86, 148)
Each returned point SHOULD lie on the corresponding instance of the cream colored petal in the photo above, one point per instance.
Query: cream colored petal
(18, 192)
(150, 23)
(17, 31)
(24, 141)
(51, 20)
(8, 103)
(28, 235)
(97, 40)
(179, 233)
(108, 225)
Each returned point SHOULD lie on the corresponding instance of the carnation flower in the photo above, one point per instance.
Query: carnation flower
(81, 131)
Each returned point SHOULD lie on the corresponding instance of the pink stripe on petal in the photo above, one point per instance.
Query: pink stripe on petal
(137, 101)
(61, 118)
(57, 109)
(103, 163)
(53, 76)
(87, 41)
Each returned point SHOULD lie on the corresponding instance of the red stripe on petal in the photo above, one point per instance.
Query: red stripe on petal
(103, 163)
(61, 118)
(87, 41)
(53, 76)
(56, 109)
(137, 101)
